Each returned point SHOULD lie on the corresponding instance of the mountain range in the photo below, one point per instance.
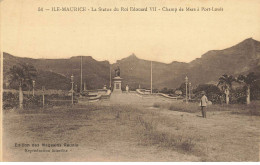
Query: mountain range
(55, 73)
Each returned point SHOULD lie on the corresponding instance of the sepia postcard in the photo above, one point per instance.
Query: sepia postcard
(130, 80)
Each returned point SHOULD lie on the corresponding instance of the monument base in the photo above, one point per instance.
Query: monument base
(117, 85)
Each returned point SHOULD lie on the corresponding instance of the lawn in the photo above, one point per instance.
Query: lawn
(129, 132)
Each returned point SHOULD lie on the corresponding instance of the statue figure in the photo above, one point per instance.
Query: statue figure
(117, 71)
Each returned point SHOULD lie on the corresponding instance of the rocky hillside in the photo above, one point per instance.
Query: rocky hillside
(55, 73)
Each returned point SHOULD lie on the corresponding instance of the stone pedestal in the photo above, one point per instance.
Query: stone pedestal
(117, 85)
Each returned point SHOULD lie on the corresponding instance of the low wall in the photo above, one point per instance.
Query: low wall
(144, 92)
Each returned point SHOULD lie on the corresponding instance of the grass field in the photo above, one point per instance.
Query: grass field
(149, 131)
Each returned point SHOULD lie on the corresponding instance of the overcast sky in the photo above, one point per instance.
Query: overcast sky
(160, 36)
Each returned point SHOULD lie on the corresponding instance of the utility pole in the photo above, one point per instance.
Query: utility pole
(72, 77)
(189, 90)
(81, 75)
(110, 84)
(85, 86)
(33, 86)
(186, 83)
(43, 98)
(151, 77)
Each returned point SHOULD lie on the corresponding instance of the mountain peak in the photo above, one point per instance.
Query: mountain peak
(248, 41)
(132, 56)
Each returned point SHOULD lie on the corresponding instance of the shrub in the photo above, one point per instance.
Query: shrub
(32, 102)
(238, 96)
(166, 91)
(156, 105)
(212, 91)
(10, 100)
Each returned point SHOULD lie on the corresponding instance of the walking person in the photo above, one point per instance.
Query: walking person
(203, 104)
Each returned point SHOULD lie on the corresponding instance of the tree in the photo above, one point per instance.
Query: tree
(30, 74)
(182, 88)
(247, 81)
(22, 76)
(212, 91)
(225, 83)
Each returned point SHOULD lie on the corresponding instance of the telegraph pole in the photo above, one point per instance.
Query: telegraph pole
(189, 90)
(186, 83)
(72, 89)
(110, 85)
(151, 77)
(43, 99)
(81, 74)
(33, 86)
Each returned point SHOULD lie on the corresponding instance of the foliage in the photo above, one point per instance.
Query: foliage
(212, 92)
(167, 91)
(182, 88)
(248, 79)
(238, 96)
(155, 90)
(178, 92)
(10, 100)
(255, 90)
(22, 75)
(16, 76)
(225, 82)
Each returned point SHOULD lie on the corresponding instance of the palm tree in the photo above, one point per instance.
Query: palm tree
(248, 81)
(16, 75)
(22, 75)
(30, 74)
(225, 82)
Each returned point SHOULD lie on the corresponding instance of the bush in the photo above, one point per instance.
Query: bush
(156, 105)
(255, 90)
(167, 91)
(212, 92)
(11, 100)
(32, 102)
(238, 96)
(251, 109)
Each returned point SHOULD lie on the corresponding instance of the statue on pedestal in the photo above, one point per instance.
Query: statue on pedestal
(117, 81)
(117, 72)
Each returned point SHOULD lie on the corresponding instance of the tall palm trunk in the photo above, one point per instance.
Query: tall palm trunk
(248, 95)
(227, 96)
(20, 97)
